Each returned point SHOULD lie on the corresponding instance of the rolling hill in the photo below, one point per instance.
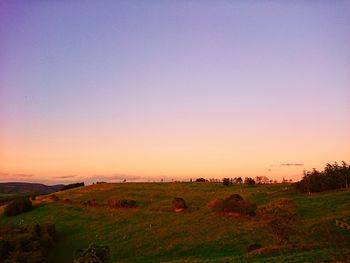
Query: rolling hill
(151, 233)
(19, 188)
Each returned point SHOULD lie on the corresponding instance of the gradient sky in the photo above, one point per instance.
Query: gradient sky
(173, 89)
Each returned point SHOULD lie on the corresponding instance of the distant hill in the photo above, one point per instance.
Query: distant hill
(15, 188)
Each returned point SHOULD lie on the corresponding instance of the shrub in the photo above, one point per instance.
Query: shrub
(4, 249)
(125, 203)
(49, 229)
(279, 216)
(18, 206)
(26, 244)
(232, 204)
(68, 201)
(122, 203)
(179, 204)
(253, 247)
(90, 203)
(93, 254)
(54, 198)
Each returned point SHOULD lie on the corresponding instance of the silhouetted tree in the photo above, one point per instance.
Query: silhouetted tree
(238, 180)
(201, 180)
(334, 176)
(226, 181)
(249, 180)
(262, 180)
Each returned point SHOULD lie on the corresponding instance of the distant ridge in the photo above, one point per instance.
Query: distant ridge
(19, 188)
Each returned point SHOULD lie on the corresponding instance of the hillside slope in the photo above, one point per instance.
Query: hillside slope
(154, 234)
(19, 188)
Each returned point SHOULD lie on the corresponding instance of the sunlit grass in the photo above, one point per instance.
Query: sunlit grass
(197, 235)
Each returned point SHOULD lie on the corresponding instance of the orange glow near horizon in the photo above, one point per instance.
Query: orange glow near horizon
(196, 150)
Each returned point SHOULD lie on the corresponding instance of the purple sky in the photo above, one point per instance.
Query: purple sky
(173, 88)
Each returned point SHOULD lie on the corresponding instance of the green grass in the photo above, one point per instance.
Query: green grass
(197, 235)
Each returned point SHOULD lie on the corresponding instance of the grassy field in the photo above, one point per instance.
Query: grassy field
(196, 235)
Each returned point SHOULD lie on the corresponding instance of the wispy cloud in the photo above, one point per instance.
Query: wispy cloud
(64, 177)
(292, 164)
(7, 177)
(22, 175)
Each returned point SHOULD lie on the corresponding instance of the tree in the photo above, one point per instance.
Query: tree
(345, 171)
(201, 180)
(334, 176)
(249, 180)
(262, 180)
(258, 179)
(226, 181)
(238, 180)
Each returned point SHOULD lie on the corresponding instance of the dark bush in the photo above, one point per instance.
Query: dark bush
(232, 204)
(179, 203)
(4, 249)
(6, 199)
(26, 244)
(125, 203)
(71, 186)
(122, 203)
(90, 203)
(93, 254)
(54, 198)
(279, 216)
(253, 247)
(18, 206)
(50, 229)
(45, 229)
(68, 201)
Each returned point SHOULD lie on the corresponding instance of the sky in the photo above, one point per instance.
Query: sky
(143, 90)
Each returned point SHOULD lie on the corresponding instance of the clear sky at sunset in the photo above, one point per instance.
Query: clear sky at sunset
(172, 89)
